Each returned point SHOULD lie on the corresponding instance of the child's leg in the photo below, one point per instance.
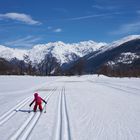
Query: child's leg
(40, 107)
(35, 107)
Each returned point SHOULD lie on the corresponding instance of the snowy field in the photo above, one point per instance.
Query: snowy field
(79, 108)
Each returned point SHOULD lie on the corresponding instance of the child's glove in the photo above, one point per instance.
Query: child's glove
(44, 101)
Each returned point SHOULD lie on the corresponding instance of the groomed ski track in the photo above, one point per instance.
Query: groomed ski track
(6, 116)
(62, 131)
(26, 128)
(79, 108)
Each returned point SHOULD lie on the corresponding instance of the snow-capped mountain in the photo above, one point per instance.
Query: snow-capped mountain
(116, 44)
(61, 51)
(9, 53)
(123, 40)
(122, 56)
(65, 58)
(126, 57)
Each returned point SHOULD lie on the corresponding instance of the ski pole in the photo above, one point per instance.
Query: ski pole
(29, 109)
(45, 108)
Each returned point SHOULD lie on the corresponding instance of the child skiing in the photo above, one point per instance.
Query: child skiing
(38, 102)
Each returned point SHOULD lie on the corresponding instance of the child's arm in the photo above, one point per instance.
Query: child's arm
(44, 101)
(32, 102)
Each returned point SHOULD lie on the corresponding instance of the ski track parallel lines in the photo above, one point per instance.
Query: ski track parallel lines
(34, 121)
(121, 89)
(6, 116)
(58, 130)
(13, 108)
(24, 131)
(20, 130)
(115, 87)
(126, 87)
(67, 127)
(62, 127)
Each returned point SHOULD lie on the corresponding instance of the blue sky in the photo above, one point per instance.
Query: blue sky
(24, 23)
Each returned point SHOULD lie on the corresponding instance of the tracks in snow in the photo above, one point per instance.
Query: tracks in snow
(26, 128)
(62, 131)
(121, 89)
(117, 87)
(6, 116)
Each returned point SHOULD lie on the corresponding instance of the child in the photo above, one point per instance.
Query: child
(38, 102)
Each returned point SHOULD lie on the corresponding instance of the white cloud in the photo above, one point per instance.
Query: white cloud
(128, 28)
(86, 17)
(92, 16)
(25, 42)
(100, 7)
(58, 30)
(20, 17)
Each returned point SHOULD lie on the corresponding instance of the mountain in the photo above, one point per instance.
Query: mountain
(118, 58)
(64, 53)
(50, 55)
(10, 53)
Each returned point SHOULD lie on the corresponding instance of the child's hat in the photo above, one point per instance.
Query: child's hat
(36, 94)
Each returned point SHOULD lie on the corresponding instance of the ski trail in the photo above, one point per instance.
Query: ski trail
(6, 116)
(66, 118)
(121, 89)
(25, 130)
(62, 131)
(116, 87)
(58, 130)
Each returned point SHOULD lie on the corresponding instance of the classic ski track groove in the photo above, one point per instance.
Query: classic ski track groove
(115, 87)
(62, 131)
(26, 128)
(120, 123)
(121, 89)
(6, 116)
(131, 88)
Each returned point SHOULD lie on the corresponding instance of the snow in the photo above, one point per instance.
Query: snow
(128, 57)
(115, 44)
(61, 51)
(79, 108)
(19, 87)
(9, 53)
(125, 58)
(123, 40)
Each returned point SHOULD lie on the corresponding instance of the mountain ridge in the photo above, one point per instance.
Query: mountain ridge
(64, 58)
(38, 52)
